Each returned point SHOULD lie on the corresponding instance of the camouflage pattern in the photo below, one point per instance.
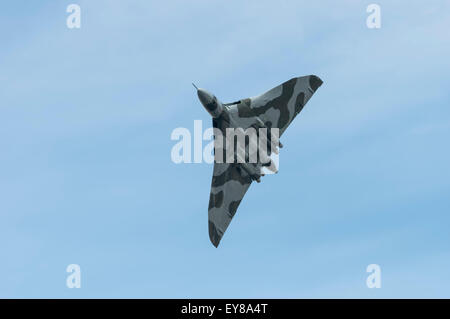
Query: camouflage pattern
(275, 108)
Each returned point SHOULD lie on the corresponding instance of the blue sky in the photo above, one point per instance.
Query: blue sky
(86, 175)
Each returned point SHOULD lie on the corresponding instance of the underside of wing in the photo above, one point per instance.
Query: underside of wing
(279, 106)
(228, 187)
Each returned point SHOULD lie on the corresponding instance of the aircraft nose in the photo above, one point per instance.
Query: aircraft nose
(204, 97)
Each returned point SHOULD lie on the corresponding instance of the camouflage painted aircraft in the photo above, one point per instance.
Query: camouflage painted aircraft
(273, 109)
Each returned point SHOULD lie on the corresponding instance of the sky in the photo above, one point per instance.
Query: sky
(86, 175)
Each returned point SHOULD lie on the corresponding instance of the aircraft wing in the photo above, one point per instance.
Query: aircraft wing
(228, 187)
(279, 106)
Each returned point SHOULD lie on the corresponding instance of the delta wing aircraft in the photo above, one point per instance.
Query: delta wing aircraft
(274, 109)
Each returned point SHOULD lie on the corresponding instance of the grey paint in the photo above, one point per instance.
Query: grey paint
(275, 108)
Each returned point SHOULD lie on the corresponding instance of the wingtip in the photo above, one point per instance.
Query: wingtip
(214, 241)
(216, 245)
(213, 234)
(315, 82)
